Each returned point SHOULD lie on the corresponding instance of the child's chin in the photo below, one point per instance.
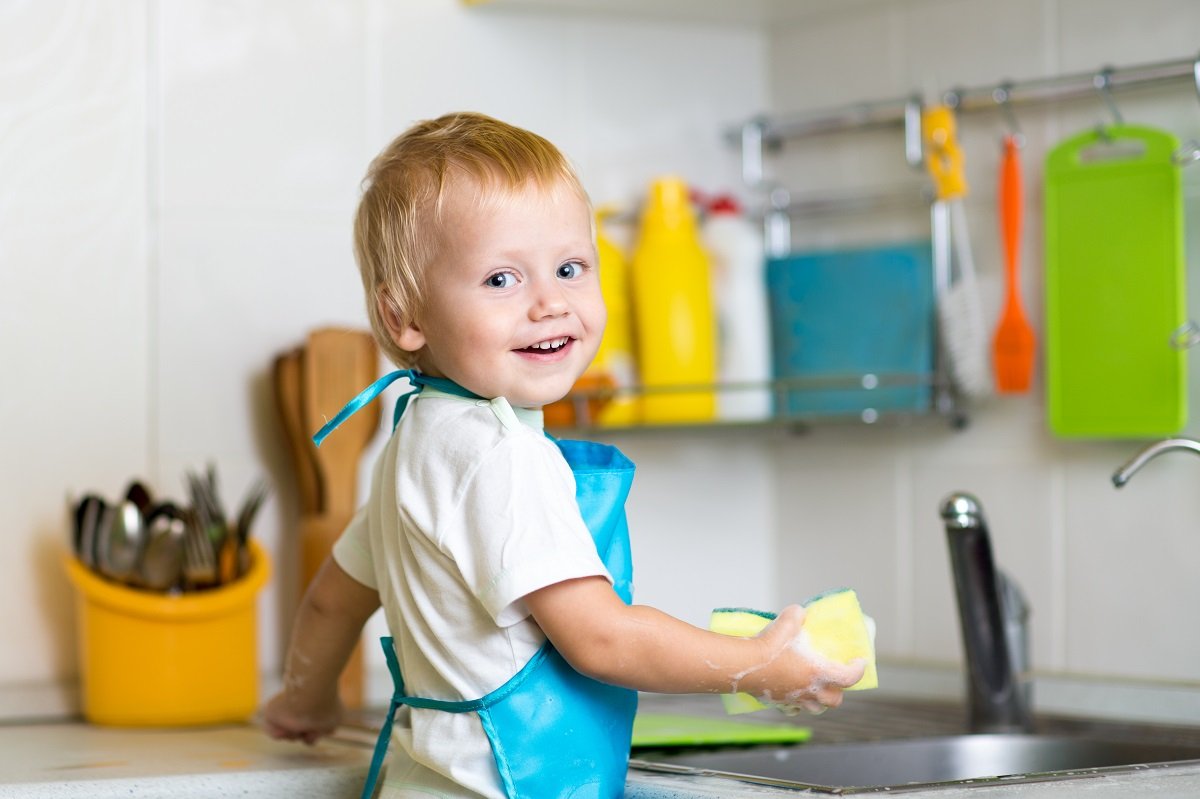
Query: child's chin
(549, 396)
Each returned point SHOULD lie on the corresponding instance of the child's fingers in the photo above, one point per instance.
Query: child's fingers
(829, 696)
(815, 708)
(843, 675)
(786, 625)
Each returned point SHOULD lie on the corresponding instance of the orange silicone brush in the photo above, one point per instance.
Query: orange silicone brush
(1014, 343)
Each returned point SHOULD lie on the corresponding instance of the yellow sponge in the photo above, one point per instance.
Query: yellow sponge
(836, 627)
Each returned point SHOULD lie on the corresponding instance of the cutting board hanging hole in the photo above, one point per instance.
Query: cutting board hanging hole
(1108, 150)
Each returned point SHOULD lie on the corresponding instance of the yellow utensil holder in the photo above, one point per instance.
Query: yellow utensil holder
(157, 660)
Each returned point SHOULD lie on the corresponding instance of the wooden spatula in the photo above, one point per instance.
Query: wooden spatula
(289, 389)
(338, 363)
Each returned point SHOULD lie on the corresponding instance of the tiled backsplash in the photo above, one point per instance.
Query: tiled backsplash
(179, 184)
(179, 180)
(1111, 575)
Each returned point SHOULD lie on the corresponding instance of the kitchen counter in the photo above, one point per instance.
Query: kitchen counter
(74, 759)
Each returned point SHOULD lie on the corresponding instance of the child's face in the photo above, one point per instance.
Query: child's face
(513, 306)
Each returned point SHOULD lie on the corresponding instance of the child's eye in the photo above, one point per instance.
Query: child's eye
(500, 280)
(570, 270)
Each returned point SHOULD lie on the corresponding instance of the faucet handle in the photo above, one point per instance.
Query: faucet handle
(962, 511)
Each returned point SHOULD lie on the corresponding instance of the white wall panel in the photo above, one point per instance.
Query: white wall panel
(73, 292)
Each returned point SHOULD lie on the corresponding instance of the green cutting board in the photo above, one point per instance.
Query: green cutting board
(661, 730)
(1114, 285)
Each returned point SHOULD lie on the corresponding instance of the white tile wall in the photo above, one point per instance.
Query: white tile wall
(702, 523)
(74, 334)
(178, 183)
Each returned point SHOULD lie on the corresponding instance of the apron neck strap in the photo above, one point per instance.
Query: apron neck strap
(368, 394)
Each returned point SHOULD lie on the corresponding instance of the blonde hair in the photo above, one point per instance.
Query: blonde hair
(396, 231)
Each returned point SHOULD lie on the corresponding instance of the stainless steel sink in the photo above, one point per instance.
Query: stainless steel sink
(923, 763)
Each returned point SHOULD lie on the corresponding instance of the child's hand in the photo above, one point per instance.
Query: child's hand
(284, 720)
(799, 678)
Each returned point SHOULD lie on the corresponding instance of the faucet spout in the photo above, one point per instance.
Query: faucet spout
(992, 613)
(1121, 476)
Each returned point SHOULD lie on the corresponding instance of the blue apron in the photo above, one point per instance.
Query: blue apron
(553, 731)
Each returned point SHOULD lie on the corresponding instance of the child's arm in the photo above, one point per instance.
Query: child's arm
(327, 626)
(642, 648)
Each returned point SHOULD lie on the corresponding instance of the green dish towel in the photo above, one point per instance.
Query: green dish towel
(656, 731)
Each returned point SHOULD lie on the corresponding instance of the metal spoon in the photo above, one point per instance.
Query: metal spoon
(97, 548)
(162, 558)
(139, 495)
(125, 539)
(87, 518)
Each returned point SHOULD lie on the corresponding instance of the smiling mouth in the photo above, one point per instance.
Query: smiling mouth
(548, 346)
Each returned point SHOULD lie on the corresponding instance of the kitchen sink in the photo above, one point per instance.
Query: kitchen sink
(924, 763)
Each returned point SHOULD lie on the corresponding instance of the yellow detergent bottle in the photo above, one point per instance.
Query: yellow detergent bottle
(674, 320)
(614, 362)
(603, 392)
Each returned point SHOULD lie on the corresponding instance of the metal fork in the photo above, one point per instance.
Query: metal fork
(199, 559)
(240, 533)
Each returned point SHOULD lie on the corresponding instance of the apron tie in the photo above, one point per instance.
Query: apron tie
(385, 733)
(368, 394)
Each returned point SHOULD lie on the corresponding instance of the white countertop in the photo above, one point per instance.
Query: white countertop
(75, 759)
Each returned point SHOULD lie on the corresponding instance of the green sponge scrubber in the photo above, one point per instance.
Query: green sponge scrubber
(836, 627)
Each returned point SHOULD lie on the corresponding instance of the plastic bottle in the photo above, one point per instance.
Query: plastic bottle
(614, 364)
(674, 322)
(613, 367)
(743, 322)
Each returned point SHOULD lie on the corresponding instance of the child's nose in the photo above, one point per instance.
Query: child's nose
(548, 301)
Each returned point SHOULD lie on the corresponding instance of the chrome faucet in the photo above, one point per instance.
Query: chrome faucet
(993, 614)
(1121, 476)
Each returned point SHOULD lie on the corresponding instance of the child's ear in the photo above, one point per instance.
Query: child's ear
(405, 334)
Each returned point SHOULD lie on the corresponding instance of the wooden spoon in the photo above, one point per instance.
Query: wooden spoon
(338, 364)
(289, 390)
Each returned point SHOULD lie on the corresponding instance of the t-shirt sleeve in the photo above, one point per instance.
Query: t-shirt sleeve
(352, 550)
(519, 528)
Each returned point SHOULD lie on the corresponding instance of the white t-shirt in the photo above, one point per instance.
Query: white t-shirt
(471, 508)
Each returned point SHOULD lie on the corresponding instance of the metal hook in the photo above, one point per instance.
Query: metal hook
(1196, 75)
(1002, 94)
(1187, 154)
(752, 151)
(914, 149)
(1102, 80)
(1186, 335)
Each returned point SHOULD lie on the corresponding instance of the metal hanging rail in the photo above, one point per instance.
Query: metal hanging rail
(1074, 86)
(757, 134)
(899, 112)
